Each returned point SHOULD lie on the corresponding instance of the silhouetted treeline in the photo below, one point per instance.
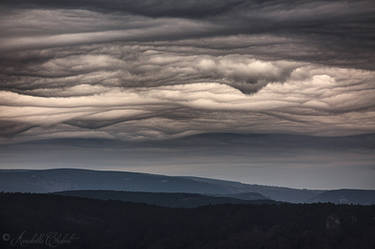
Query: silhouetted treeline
(115, 224)
(176, 200)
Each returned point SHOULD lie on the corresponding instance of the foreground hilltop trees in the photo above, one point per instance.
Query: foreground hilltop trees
(89, 223)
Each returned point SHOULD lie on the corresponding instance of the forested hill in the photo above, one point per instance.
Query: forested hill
(182, 200)
(54, 180)
(347, 196)
(98, 224)
(65, 179)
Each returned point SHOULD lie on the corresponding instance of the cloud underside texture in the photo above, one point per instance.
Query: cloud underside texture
(145, 70)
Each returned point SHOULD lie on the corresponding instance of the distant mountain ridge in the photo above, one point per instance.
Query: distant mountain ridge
(347, 196)
(57, 180)
(272, 192)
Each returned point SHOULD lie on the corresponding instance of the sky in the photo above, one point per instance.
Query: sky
(122, 81)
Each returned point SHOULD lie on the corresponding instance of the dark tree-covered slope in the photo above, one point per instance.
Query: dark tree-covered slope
(114, 224)
(182, 200)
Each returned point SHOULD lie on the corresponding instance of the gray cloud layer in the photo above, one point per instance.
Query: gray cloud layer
(285, 160)
(140, 70)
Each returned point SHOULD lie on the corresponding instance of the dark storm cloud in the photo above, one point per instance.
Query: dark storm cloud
(337, 33)
(153, 8)
(334, 25)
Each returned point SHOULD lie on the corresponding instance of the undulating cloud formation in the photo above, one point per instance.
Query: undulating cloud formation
(160, 69)
(277, 92)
